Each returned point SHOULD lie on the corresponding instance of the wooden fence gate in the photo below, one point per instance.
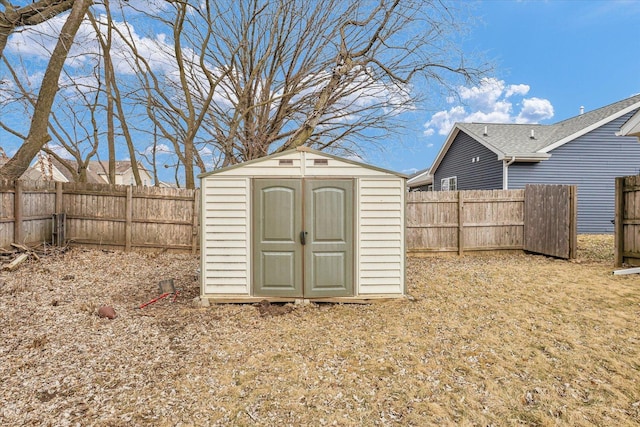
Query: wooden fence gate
(550, 220)
(627, 221)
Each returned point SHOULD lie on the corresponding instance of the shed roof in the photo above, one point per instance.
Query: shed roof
(301, 150)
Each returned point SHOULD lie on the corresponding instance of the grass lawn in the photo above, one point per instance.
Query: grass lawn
(487, 340)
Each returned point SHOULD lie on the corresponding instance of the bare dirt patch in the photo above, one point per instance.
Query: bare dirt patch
(502, 340)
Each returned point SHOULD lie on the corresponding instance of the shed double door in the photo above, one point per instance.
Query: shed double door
(303, 238)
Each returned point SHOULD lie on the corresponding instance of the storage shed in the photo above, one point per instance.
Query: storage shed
(302, 225)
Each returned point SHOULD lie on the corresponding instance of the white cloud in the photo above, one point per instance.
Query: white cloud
(517, 90)
(160, 149)
(443, 121)
(60, 151)
(534, 110)
(491, 101)
(409, 171)
(37, 42)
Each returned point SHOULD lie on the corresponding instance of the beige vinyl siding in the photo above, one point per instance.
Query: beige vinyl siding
(225, 234)
(381, 232)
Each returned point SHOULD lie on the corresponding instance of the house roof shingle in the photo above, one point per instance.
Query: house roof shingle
(92, 176)
(515, 139)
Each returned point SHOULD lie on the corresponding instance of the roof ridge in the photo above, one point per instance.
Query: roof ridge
(623, 103)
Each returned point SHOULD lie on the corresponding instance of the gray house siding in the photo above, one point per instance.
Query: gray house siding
(471, 175)
(592, 162)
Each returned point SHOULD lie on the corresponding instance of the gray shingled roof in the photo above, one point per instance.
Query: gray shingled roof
(92, 176)
(515, 139)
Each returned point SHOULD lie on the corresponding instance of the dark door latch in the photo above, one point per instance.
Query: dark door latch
(303, 237)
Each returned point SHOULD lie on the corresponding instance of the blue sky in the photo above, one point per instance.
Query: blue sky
(548, 56)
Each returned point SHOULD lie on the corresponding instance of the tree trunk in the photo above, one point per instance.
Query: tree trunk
(38, 133)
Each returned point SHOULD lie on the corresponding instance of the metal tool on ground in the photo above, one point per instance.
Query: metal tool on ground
(166, 288)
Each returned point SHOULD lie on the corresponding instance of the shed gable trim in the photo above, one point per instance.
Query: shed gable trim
(301, 151)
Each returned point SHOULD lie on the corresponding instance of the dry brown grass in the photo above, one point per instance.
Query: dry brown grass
(489, 340)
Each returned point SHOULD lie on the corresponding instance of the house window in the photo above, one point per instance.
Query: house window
(449, 184)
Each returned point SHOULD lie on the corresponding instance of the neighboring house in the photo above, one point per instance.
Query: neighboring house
(124, 173)
(29, 174)
(421, 181)
(50, 169)
(631, 127)
(583, 150)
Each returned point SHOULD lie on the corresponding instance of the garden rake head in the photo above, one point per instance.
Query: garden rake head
(166, 288)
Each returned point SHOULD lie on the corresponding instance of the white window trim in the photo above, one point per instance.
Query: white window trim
(449, 184)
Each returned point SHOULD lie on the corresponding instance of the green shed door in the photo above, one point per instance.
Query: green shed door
(277, 252)
(328, 260)
(303, 240)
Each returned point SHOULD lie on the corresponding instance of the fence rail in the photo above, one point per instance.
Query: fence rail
(129, 217)
(100, 215)
(459, 221)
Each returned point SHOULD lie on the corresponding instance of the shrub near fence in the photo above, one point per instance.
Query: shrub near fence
(100, 215)
(459, 221)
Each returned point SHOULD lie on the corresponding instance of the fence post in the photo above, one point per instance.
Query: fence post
(128, 208)
(460, 223)
(573, 222)
(17, 212)
(619, 223)
(58, 197)
(195, 236)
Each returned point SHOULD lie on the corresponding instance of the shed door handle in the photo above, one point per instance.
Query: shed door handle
(303, 237)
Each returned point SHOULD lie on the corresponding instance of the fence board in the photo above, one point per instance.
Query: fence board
(550, 220)
(159, 218)
(627, 221)
(98, 215)
(459, 221)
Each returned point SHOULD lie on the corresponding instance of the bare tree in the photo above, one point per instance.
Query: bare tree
(285, 73)
(115, 103)
(224, 82)
(38, 132)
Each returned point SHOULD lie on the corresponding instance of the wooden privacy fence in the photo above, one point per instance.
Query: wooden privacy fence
(627, 221)
(130, 217)
(539, 219)
(551, 220)
(459, 221)
(100, 215)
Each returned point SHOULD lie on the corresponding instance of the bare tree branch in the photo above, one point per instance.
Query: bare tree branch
(38, 134)
(31, 14)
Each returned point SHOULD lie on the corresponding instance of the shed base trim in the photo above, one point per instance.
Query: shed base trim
(240, 299)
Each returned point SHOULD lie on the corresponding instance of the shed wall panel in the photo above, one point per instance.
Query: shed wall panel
(381, 232)
(225, 231)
